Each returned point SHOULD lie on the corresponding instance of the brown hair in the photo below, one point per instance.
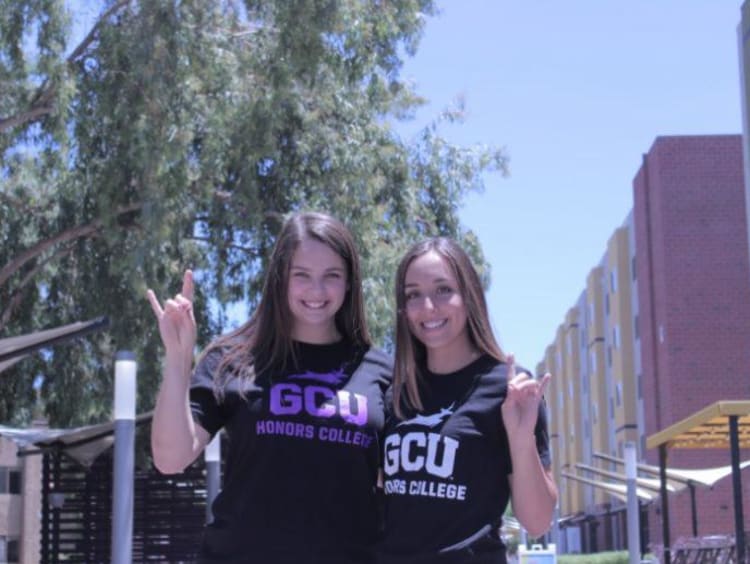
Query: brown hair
(411, 354)
(266, 339)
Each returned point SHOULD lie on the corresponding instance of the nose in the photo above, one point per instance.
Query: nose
(318, 286)
(429, 303)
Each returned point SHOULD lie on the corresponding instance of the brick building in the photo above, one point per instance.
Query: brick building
(694, 295)
(661, 330)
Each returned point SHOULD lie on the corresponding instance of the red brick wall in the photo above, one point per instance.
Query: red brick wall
(693, 276)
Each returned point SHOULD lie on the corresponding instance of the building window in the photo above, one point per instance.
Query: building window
(595, 412)
(606, 303)
(639, 383)
(591, 312)
(10, 481)
(618, 391)
(661, 333)
(9, 550)
(609, 356)
(613, 280)
(632, 267)
(615, 337)
(593, 361)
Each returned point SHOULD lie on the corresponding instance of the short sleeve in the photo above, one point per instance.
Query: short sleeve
(203, 404)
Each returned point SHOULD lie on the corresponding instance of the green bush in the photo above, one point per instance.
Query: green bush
(620, 557)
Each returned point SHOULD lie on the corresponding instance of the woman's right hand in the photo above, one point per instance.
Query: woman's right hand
(176, 320)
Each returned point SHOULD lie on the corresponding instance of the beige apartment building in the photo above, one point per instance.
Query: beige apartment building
(20, 505)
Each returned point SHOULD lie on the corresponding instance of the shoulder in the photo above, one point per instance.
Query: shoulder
(493, 374)
(210, 358)
(378, 357)
(377, 362)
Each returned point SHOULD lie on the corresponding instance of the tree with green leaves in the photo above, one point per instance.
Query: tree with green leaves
(181, 134)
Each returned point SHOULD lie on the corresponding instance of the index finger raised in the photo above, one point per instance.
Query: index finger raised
(188, 285)
(510, 359)
(155, 305)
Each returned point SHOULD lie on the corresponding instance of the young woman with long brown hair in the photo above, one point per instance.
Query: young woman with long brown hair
(299, 391)
(466, 431)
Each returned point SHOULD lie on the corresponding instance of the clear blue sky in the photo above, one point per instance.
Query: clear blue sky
(576, 91)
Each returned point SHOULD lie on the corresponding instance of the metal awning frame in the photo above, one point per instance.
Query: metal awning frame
(723, 424)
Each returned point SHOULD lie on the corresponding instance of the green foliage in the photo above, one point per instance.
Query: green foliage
(177, 134)
(618, 557)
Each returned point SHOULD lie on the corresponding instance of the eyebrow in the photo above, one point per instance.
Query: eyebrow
(332, 269)
(435, 281)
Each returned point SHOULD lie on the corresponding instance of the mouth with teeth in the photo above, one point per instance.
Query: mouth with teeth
(314, 305)
(431, 325)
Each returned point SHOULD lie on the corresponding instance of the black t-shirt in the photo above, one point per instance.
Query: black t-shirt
(446, 470)
(302, 459)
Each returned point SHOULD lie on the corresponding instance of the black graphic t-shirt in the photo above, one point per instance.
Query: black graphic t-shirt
(302, 459)
(446, 470)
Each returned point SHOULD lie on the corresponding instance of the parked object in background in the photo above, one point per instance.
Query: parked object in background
(537, 554)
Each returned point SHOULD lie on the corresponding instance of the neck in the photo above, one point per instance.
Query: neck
(316, 335)
(448, 360)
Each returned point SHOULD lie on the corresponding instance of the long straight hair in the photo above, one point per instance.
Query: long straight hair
(411, 355)
(265, 340)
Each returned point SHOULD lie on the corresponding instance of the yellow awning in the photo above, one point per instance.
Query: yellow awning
(707, 428)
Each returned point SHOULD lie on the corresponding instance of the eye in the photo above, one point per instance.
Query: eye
(411, 296)
(334, 275)
(444, 291)
(299, 274)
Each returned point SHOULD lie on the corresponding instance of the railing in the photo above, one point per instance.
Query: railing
(714, 549)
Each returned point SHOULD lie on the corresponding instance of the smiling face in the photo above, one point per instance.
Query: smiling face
(316, 290)
(435, 308)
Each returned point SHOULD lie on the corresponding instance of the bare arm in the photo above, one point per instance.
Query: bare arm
(176, 440)
(533, 493)
(532, 489)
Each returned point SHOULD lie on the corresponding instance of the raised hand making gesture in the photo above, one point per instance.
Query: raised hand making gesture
(176, 320)
(175, 438)
(521, 405)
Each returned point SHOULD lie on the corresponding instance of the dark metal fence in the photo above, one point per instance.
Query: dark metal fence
(168, 515)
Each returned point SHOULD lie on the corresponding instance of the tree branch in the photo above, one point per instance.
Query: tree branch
(15, 299)
(250, 250)
(42, 104)
(83, 45)
(63, 237)
(32, 114)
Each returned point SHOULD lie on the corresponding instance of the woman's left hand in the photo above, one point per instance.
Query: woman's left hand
(521, 405)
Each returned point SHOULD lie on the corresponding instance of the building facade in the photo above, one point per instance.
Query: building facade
(20, 505)
(662, 330)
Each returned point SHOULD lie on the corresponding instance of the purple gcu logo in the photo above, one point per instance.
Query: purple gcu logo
(318, 401)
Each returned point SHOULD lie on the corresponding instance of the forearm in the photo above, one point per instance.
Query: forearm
(533, 492)
(175, 438)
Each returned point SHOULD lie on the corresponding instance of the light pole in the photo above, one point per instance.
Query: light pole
(212, 456)
(124, 462)
(631, 473)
